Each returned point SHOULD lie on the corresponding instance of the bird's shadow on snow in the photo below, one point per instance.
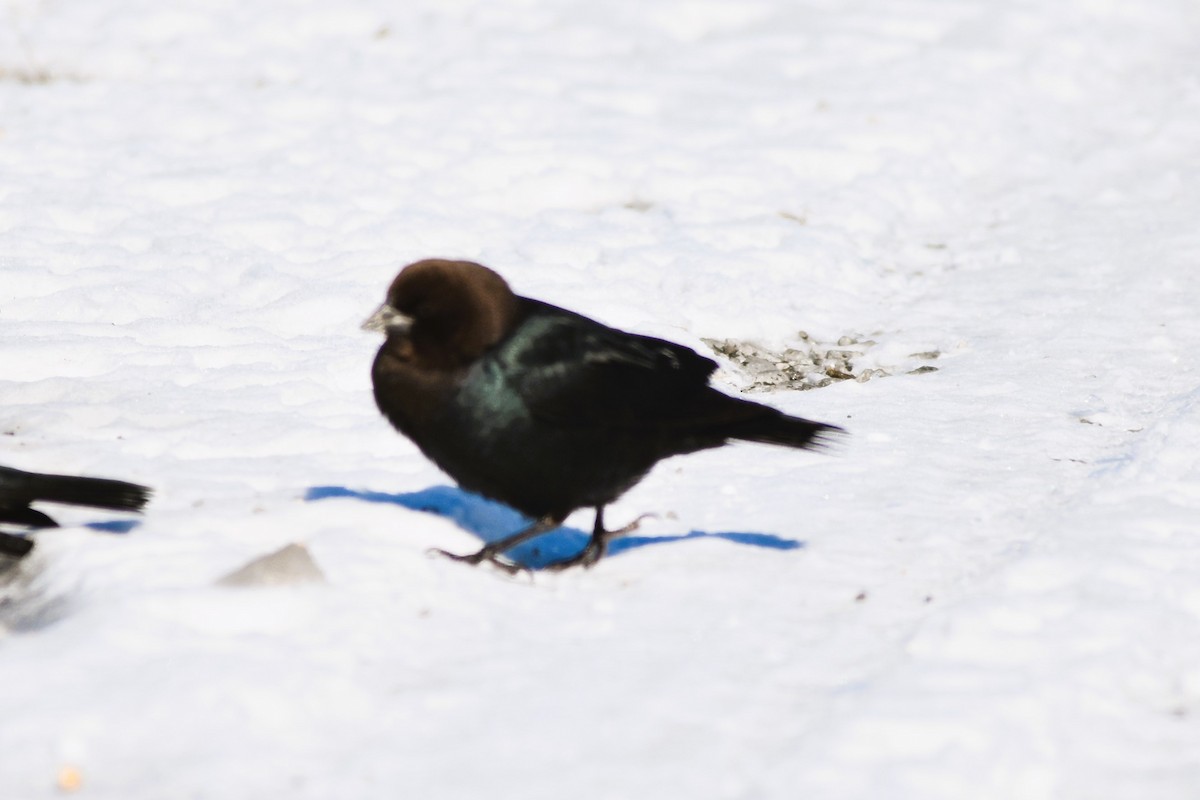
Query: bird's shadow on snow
(492, 521)
(113, 525)
(25, 603)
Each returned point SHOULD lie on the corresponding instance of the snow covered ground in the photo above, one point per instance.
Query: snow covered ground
(992, 591)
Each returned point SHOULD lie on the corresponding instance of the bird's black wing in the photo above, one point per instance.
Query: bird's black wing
(575, 372)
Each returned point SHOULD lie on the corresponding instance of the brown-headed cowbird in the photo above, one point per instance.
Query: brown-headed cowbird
(19, 489)
(544, 409)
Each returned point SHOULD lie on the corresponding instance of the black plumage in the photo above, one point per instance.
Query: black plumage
(19, 490)
(544, 409)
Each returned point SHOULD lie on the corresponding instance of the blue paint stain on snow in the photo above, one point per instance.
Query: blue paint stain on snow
(491, 521)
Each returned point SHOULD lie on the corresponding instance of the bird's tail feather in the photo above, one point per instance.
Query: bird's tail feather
(789, 432)
(97, 492)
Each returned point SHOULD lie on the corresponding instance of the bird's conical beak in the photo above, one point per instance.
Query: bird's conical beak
(387, 320)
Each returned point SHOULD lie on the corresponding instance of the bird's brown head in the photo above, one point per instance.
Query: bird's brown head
(445, 314)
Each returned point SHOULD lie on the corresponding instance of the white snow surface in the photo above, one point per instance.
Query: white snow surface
(992, 590)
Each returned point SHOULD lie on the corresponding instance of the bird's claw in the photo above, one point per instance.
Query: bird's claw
(586, 559)
(480, 556)
(631, 527)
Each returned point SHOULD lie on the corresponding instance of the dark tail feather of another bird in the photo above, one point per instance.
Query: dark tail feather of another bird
(787, 431)
(96, 492)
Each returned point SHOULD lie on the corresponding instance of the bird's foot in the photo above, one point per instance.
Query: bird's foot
(486, 554)
(596, 547)
(586, 558)
(493, 552)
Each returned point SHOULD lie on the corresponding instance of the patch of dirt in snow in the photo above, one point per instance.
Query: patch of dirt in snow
(812, 364)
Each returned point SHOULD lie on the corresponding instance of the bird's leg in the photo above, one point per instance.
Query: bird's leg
(493, 550)
(597, 546)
